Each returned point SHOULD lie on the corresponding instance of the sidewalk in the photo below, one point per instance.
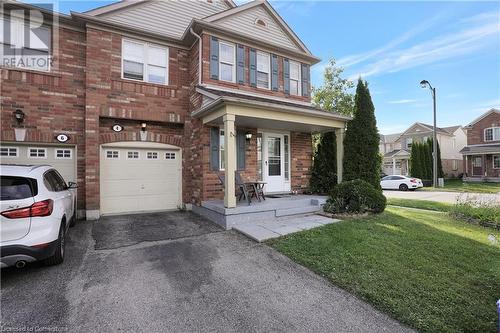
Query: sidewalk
(447, 197)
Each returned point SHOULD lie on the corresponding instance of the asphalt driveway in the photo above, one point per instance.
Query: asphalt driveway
(176, 272)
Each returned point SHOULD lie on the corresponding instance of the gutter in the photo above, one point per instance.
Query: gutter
(200, 50)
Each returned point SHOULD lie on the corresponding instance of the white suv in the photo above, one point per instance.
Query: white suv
(37, 208)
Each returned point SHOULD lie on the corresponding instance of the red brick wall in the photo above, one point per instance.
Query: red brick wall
(245, 87)
(301, 158)
(53, 102)
(475, 135)
(487, 163)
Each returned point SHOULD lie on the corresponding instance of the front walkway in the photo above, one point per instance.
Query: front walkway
(209, 280)
(446, 197)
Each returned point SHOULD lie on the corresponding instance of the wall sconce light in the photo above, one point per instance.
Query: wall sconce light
(19, 116)
(143, 127)
(248, 135)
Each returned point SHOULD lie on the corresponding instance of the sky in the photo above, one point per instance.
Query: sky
(393, 45)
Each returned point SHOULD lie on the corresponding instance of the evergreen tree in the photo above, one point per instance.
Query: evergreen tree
(428, 159)
(415, 161)
(361, 157)
(324, 170)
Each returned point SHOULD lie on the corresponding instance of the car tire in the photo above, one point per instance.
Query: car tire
(58, 256)
(403, 187)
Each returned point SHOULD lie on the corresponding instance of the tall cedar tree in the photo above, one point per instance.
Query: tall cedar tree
(324, 171)
(415, 161)
(332, 96)
(421, 160)
(361, 152)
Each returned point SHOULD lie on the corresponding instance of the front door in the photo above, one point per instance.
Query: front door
(477, 165)
(273, 162)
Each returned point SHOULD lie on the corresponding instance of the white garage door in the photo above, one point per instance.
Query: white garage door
(62, 158)
(136, 179)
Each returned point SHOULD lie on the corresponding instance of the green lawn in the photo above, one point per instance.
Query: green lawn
(421, 204)
(430, 272)
(457, 185)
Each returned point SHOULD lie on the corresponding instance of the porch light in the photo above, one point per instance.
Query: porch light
(143, 127)
(248, 135)
(19, 116)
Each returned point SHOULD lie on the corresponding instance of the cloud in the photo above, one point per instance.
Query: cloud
(402, 101)
(445, 46)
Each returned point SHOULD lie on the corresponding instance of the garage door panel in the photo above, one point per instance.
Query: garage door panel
(139, 184)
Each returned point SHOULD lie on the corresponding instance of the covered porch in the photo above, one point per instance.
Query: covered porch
(397, 162)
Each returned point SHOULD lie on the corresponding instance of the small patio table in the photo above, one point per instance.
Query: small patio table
(259, 189)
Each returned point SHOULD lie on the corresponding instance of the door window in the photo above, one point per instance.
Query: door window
(54, 182)
(274, 156)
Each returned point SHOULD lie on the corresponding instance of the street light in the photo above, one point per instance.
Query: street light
(425, 84)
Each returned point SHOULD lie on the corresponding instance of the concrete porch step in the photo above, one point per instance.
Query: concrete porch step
(297, 210)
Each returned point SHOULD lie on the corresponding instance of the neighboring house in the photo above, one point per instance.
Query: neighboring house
(481, 156)
(147, 103)
(397, 148)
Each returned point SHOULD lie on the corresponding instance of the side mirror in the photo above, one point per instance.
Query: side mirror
(72, 185)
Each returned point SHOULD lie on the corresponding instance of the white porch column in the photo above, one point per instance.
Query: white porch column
(339, 133)
(393, 166)
(230, 158)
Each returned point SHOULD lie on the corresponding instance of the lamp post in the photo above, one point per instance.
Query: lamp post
(425, 84)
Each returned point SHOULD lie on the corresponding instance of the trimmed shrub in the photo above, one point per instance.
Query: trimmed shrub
(355, 196)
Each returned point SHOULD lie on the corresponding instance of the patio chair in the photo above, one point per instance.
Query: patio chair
(245, 190)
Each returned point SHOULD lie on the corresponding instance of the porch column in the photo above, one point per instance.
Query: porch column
(230, 158)
(393, 166)
(339, 133)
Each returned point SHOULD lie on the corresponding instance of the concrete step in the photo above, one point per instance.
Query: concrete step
(297, 210)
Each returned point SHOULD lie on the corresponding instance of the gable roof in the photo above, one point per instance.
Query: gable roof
(484, 115)
(235, 15)
(428, 128)
(390, 138)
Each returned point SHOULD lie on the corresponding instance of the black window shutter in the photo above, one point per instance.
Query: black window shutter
(214, 58)
(241, 149)
(214, 149)
(305, 80)
(240, 60)
(286, 75)
(253, 67)
(274, 72)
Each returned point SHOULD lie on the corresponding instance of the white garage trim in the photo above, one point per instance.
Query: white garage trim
(128, 187)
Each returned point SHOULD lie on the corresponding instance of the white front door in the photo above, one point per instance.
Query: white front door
(274, 162)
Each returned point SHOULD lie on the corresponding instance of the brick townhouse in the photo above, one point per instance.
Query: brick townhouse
(134, 113)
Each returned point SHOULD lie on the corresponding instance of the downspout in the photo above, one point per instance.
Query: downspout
(200, 50)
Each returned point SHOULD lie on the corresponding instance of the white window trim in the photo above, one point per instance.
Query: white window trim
(257, 69)
(112, 158)
(299, 82)
(152, 154)
(493, 162)
(15, 148)
(63, 158)
(492, 134)
(227, 63)
(171, 154)
(145, 64)
(37, 157)
(133, 158)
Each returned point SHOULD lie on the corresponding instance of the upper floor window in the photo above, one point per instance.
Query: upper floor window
(227, 56)
(263, 70)
(295, 79)
(409, 142)
(492, 134)
(24, 45)
(144, 62)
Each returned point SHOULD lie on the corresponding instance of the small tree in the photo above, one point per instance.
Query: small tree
(361, 157)
(324, 171)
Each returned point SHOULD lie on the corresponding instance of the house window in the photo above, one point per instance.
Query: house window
(492, 134)
(287, 157)
(145, 62)
(63, 153)
(496, 161)
(295, 79)
(8, 152)
(409, 142)
(259, 156)
(170, 156)
(222, 144)
(25, 47)
(477, 162)
(152, 155)
(112, 154)
(227, 56)
(454, 165)
(37, 153)
(263, 70)
(133, 155)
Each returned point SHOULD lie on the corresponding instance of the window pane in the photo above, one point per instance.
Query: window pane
(157, 74)
(226, 53)
(157, 56)
(262, 80)
(40, 38)
(287, 172)
(497, 133)
(15, 188)
(294, 71)
(294, 87)
(226, 72)
(263, 62)
(496, 161)
(133, 70)
(133, 51)
(221, 150)
(488, 134)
